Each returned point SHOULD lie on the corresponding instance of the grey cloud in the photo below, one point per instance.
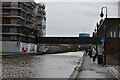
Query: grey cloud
(73, 18)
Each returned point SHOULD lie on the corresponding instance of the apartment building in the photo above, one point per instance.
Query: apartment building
(21, 23)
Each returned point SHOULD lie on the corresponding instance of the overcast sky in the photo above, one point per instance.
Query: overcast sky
(72, 18)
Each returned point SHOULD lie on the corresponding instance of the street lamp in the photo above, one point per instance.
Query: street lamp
(101, 15)
(104, 53)
(97, 39)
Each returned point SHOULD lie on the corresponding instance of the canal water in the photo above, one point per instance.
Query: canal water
(40, 66)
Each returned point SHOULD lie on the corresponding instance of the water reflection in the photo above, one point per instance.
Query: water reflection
(40, 66)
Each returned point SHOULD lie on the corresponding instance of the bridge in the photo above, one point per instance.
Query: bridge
(67, 40)
(73, 40)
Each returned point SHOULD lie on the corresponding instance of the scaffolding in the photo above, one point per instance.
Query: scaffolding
(22, 21)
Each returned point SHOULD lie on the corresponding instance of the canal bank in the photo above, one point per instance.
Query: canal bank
(77, 69)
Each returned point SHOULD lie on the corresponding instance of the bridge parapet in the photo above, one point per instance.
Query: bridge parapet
(67, 40)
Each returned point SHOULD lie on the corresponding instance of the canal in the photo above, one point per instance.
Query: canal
(40, 66)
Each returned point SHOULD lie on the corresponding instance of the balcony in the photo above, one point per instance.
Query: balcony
(38, 22)
(9, 16)
(6, 14)
(43, 6)
(32, 14)
(9, 25)
(26, 18)
(40, 9)
(27, 25)
(14, 37)
(25, 11)
(33, 4)
(22, 17)
(6, 4)
(44, 13)
(39, 15)
(27, 4)
(10, 8)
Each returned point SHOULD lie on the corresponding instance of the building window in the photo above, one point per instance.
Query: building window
(14, 4)
(6, 29)
(6, 21)
(119, 33)
(6, 12)
(111, 34)
(13, 37)
(6, 37)
(13, 30)
(14, 12)
(6, 4)
(114, 34)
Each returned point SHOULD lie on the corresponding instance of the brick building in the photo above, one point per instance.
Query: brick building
(109, 28)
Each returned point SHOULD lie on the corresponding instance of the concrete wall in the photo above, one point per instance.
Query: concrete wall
(31, 48)
(12, 47)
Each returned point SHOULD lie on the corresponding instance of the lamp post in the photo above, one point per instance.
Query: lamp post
(97, 39)
(101, 15)
(104, 44)
(104, 35)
